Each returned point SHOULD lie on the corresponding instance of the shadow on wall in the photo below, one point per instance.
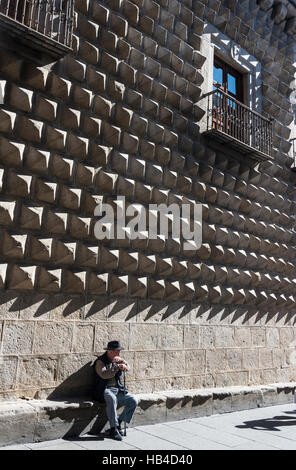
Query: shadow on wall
(23, 306)
(84, 415)
(78, 384)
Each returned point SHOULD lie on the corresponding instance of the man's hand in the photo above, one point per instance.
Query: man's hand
(121, 363)
(117, 359)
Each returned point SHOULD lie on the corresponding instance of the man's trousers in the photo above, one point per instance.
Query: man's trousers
(114, 397)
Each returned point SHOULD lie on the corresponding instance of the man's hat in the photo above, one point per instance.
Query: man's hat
(114, 346)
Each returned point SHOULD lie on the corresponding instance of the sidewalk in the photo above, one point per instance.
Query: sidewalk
(270, 428)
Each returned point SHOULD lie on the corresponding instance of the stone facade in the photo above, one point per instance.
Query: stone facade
(121, 115)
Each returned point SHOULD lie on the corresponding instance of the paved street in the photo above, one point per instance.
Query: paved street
(269, 428)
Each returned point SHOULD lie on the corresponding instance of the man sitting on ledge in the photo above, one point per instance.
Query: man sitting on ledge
(109, 388)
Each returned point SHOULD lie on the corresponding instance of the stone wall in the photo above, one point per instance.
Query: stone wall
(120, 116)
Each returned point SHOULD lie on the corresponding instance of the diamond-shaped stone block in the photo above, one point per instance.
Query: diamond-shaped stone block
(80, 227)
(118, 285)
(62, 168)
(138, 286)
(164, 266)
(18, 185)
(7, 212)
(78, 146)
(70, 197)
(22, 277)
(13, 246)
(56, 138)
(75, 282)
(56, 222)
(11, 153)
(21, 98)
(41, 248)
(109, 259)
(156, 288)
(128, 262)
(31, 217)
(87, 255)
(147, 263)
(45, 190)
(37, 160)
(7, 120)
(172, 290)
(98, 283)
(64, 253)
(30, 129)
(105, 182)
(91, 202)
(50, 280)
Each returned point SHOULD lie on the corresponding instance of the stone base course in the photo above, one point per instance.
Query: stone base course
(40, 420)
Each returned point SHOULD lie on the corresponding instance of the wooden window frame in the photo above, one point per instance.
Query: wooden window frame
(226, 68)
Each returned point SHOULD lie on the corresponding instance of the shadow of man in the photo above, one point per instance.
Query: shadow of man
(89, 416)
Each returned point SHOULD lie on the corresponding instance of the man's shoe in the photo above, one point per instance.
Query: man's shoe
(114, 434)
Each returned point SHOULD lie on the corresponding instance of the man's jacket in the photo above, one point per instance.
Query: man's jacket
(107, 370)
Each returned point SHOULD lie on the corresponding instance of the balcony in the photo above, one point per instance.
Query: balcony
(231, 122)
(292, 154)
(43, 25)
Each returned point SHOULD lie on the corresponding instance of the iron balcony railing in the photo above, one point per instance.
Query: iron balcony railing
(232, 121)
(292, 153)
(51, 18)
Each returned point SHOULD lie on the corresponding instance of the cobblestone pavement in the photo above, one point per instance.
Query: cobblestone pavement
(268, 428)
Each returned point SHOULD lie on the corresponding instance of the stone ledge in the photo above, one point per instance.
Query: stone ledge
(39, 420)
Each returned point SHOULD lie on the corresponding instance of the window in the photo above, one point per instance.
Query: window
(227, 82)
(228, 79)
(229, 120)
(229, 108)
